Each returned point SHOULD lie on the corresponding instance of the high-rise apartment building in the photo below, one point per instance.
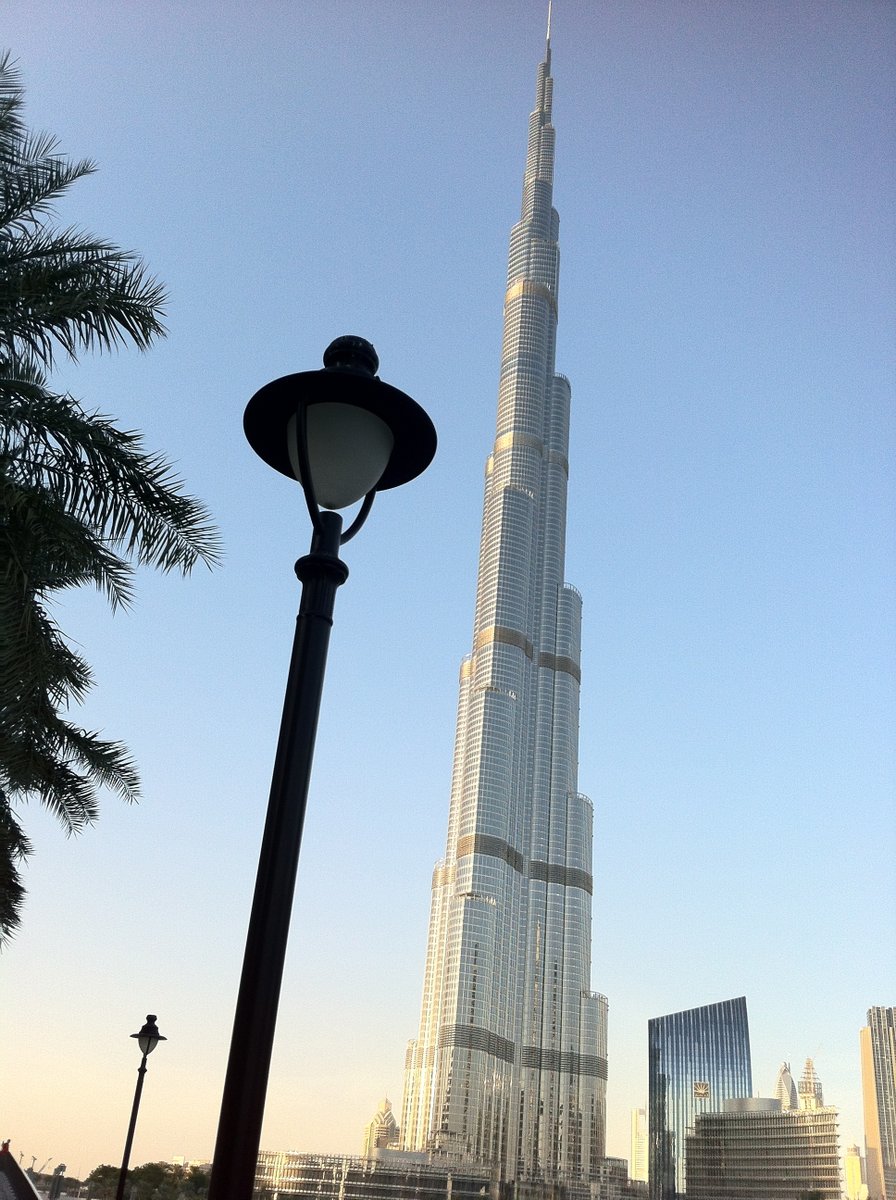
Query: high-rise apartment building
(878, 1048)
(754, 1150)
(697, 1059)
(854, 1174)
(381, 1131)
(638, 1151)
(509, 1066)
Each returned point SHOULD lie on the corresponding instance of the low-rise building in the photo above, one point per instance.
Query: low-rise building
(391, 1175)
(613, 1182)
(755, 1150)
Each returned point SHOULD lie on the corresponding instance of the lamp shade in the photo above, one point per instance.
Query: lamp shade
(149, 1037)
(361, 433)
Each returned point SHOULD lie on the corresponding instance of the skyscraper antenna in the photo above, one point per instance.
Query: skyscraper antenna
(548, 38)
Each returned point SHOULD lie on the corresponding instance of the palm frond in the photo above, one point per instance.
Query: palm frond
(48, 548)
(103, 477)
(12, 127)
(64, 767)
(37, 665)
(81, 501)
(40, 177)
(14, 848)
(76, 292)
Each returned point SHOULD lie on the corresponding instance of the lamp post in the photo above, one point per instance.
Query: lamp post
(147, 1039)
(344, 435)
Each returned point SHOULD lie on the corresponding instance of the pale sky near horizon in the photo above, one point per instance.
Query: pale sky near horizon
(725, 181)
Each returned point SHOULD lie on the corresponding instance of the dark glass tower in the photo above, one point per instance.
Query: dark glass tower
(696, 1060)
(509, 1067)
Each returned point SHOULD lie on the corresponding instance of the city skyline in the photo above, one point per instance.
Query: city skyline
(726, 319)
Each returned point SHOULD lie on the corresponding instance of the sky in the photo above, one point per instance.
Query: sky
(725, 181)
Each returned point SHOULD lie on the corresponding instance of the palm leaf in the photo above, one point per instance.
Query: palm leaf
(77, 292)
(14, 848)
(81, 501)
(101, 476)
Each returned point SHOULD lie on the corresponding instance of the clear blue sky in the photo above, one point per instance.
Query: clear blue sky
(725, 182)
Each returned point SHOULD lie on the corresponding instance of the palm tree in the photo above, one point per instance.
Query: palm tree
(81, 501)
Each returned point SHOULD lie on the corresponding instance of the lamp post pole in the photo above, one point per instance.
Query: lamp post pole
(242, 1107)
(344, 435)
(149, 1037)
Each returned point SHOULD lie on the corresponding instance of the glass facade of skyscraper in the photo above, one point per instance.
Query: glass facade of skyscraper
(696, 1060)
(509, 1067)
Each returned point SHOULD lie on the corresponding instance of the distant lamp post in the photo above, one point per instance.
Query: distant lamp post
(147, 1039)
(344, 435)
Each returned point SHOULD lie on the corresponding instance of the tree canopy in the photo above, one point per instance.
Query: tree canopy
(152, 1181)
(81, 501)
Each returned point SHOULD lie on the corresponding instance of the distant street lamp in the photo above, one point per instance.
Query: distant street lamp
(344, 435)
(147, 1039)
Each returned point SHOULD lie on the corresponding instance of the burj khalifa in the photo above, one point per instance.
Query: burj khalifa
(509, 1066)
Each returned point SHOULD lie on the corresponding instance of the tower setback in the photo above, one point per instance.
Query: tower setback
(509, 1067)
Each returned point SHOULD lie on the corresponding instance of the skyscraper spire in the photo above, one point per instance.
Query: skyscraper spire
(785, 1088)
(509, 1067)
(810, 1087)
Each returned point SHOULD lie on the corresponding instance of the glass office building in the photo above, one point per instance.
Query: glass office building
(509, 1067)
(697, 1059)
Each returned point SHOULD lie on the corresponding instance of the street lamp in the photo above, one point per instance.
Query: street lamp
(147, 1039)
(344, 435)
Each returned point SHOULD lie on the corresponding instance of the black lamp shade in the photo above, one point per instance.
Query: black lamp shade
(149, 1037)
(269, 412)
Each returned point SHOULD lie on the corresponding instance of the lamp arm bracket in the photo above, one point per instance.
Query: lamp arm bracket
(305, 468)
(361, 517)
